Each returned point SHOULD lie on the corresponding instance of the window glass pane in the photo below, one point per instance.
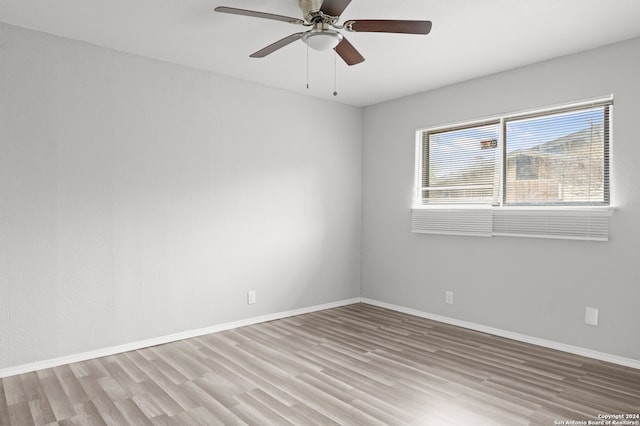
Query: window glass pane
(460, 166)
(557, 159)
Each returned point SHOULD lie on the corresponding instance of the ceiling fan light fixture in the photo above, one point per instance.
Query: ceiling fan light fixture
(322, 40)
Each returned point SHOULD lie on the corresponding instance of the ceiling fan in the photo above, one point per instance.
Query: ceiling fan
(322, 16)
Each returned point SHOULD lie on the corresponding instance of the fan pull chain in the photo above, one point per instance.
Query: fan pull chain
(307, 66)
(335, 90)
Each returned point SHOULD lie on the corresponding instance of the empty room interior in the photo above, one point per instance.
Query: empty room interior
(319, 212)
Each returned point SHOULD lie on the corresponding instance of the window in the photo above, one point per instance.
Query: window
(558, 158)
(461, 165)
(545, 163)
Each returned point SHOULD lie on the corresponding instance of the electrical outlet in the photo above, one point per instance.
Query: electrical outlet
(591, 316)
(448, 297)
(251, 297)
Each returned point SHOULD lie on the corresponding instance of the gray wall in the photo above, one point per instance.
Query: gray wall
(140, 198)
(535, 287)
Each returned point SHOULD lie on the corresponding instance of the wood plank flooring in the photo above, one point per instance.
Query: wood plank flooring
(353, 365)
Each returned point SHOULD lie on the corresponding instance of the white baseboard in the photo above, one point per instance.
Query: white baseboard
(40, 365)
(577, 350)
(49, 363)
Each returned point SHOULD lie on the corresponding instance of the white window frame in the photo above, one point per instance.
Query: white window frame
(575, 222)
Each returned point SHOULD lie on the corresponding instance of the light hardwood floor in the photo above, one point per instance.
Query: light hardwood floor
(354, 365)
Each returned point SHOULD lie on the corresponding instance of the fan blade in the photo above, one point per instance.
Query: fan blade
(275, 46)
(348, 53)
(255, 14)
(388, 26)
(334, 7)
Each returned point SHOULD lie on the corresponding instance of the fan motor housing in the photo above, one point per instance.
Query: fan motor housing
(311, 11)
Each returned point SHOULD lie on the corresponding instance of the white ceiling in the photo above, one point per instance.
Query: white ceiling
(470, 38)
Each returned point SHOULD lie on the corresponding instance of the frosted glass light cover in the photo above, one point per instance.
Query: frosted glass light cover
(324, 40)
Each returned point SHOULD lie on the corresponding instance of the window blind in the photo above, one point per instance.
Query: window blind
(541, 174)
(555, 223)
(588, 224)
(558, 159)
(460, 165)
(475, 221)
